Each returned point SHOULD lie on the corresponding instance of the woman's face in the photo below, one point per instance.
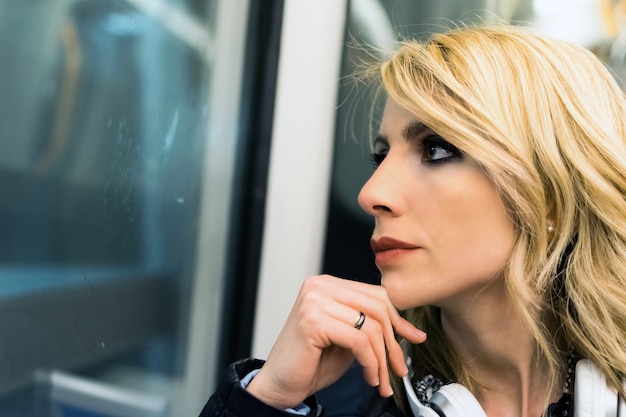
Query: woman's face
(442, 232)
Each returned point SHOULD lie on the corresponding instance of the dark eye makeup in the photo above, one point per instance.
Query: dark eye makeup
(436, 149)
(433, 150)
(377, 158)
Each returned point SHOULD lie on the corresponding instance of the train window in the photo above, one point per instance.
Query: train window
(119, 128)
(134, 143)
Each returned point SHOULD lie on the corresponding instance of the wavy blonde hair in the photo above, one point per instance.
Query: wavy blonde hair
(547, 122)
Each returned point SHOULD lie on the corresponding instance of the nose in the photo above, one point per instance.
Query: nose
(383, 193)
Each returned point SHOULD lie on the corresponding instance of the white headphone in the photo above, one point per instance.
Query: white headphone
(592, 398)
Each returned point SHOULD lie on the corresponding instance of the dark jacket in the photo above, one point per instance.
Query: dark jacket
(348, 397)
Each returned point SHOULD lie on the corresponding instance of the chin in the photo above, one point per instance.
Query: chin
(402, 298)
(407, 293)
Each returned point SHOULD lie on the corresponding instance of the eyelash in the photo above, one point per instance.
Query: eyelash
(428, 143)
(377, 158)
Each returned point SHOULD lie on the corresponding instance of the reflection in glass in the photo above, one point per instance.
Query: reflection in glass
(102, 129)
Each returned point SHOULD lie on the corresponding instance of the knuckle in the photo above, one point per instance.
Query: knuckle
(309, 281)
(379, 309)
(381, 292)
(314, 283)
(380, 305)
(311, 287)
(309, 317)
(310, 297)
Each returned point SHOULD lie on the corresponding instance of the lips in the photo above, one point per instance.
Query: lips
(389, 251)
(387, 244)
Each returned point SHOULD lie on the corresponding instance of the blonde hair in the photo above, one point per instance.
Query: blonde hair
(547, 122)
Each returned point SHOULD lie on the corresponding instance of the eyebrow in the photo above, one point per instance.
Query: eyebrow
(414, 129)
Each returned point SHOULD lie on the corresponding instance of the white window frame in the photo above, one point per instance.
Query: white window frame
(301, 159)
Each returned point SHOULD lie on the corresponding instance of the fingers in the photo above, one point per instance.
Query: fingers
(372, 300)
(319, 341)
(367, 344)
(374, 332)
(366, 294)
(349, 298)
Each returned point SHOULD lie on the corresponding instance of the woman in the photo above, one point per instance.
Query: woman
(500, 207)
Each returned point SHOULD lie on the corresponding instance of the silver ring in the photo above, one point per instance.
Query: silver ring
(359, 321)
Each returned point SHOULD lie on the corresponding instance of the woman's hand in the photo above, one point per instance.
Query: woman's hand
(319, 341)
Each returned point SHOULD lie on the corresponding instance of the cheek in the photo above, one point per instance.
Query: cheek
(469, 238)
(479, 235)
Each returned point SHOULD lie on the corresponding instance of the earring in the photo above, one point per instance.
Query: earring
(550, 229)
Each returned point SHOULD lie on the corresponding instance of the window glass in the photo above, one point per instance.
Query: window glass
(104, 117)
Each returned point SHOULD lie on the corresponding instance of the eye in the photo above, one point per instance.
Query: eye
(436, 149)
(380, 152)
